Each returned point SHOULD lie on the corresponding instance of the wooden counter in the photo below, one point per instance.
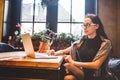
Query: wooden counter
(18, 60)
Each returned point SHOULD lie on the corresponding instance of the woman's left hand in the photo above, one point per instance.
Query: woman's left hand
(69, 59)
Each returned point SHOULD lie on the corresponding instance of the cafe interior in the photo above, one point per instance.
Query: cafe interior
(61, 20)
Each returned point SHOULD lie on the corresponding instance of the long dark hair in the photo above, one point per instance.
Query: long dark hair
(96, 20)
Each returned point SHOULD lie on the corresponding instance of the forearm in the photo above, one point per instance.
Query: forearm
(63, 52)
(90, 65)
(93, 65)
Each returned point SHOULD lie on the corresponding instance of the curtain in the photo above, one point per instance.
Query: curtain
(13, 17)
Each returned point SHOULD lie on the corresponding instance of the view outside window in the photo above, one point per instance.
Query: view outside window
(5, 17)
(33, 16)
(71, 14)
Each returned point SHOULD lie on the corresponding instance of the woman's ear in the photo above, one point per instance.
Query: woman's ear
(97, 26)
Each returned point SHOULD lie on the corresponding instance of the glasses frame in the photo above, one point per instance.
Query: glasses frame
(88, 25)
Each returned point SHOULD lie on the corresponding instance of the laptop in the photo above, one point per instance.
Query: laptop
(29, 49)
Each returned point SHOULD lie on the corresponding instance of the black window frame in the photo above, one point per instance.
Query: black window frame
(14, 16)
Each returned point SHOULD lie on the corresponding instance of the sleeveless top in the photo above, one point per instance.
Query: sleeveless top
(87, 51)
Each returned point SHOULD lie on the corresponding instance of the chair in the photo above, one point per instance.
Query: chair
(4, 47)
(114, 66)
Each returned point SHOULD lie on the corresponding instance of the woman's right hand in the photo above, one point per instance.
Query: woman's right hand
(51, 52)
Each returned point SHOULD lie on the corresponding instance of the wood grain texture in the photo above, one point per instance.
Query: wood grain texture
(20, 61)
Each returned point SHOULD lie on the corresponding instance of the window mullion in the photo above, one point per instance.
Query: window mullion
(34, 4)
(71, 17)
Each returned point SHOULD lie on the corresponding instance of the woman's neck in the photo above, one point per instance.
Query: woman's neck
(92, 36)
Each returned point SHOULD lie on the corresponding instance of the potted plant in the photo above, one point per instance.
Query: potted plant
(45, 39)
(64, 40)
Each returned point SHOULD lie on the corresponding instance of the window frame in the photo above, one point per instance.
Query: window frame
(14, 13)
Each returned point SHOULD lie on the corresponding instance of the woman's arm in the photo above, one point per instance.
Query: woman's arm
(63, 52)
(98, 60)
(59, 52)
(93, 65)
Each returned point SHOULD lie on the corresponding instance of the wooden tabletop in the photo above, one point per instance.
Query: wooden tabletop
(18, 59)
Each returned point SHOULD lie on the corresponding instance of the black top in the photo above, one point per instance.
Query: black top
(87, 52)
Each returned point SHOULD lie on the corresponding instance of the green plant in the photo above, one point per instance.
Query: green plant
(67, 37)
(36, 36)
(64, 40)
(45, 35)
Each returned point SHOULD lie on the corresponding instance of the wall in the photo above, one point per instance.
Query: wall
(108, 11)
(118, 28)
(1, 16)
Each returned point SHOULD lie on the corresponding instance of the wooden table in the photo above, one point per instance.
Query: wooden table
(18, 66)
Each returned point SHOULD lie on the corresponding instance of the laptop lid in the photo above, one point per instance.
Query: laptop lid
(29, 50)
(27, 44)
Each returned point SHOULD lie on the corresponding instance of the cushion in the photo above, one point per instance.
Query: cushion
(4, 47)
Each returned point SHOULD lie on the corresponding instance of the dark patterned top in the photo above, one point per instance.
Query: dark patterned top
(87, 52)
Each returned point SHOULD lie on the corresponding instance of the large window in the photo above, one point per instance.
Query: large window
(33, 16)
(70, 16)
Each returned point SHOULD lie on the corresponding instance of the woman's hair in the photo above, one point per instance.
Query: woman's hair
(96, 20)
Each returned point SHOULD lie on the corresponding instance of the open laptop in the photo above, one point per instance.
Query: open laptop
(29, 50)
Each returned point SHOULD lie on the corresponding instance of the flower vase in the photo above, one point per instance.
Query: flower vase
(43, 47)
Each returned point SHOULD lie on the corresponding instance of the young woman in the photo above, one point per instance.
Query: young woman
(88, 56)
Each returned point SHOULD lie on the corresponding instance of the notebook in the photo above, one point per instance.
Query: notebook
(29, 49)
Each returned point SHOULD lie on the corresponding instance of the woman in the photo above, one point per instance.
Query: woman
(88, 55)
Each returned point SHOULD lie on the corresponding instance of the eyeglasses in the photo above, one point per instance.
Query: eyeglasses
(88, 25)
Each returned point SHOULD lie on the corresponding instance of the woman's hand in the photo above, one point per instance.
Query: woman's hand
(69, 59)
(51, 52)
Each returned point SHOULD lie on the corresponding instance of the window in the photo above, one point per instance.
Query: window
(5, 17)
(33, 16)
(70, 16)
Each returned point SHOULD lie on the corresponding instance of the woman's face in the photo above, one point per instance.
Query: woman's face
(90, 28)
